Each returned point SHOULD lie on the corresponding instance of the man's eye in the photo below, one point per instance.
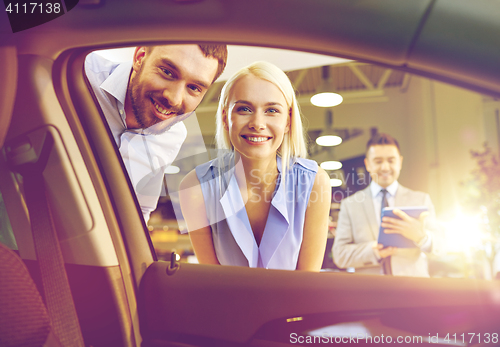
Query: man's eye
(195, 88)
(167, 72)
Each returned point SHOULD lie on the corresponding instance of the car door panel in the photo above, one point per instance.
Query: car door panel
(203, 304)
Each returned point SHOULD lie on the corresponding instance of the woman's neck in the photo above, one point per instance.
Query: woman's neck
(256, 173)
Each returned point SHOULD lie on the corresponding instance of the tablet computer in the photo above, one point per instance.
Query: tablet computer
(398, 240)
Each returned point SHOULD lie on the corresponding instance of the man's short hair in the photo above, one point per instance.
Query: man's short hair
(382, 139)
(218, 52)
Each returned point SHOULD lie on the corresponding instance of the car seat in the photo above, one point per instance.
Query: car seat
(24, 320)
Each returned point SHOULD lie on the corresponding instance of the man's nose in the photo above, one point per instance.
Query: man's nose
(174, 94)
(258, 121)
(385, 165)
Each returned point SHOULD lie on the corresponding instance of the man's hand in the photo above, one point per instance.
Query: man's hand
(411, 228)
(384, 252)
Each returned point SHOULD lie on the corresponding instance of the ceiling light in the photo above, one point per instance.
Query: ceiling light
(172, 169)
(329, 140)
(335, 182)
(328, 137)
(331, 165)
(325, 97)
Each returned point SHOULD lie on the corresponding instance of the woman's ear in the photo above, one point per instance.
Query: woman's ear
(289, 121)
(224, 120)
(139, 55)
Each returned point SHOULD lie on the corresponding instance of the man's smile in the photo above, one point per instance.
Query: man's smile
(162, 113)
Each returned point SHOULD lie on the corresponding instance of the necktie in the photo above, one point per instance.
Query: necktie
(385, 203)
(385, 262)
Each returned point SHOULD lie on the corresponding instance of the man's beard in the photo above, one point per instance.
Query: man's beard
(140, 110)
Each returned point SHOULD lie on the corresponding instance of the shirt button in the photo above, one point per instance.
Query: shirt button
(121, 111)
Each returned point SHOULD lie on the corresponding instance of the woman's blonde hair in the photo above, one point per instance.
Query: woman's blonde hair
(294, 144)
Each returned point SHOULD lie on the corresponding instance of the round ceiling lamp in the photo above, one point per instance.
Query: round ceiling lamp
(335, 182)
(331, 165)
(329, 137)
(329, 140)
(325, 97)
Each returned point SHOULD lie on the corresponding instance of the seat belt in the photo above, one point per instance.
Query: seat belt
(58, 297)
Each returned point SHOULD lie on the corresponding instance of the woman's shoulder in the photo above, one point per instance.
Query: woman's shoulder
(304, 164)
(190, 180)
(309, 168)
(202, 169)
(215, 167)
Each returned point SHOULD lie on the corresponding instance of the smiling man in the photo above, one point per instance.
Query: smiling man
(144, 102)
(358, 226)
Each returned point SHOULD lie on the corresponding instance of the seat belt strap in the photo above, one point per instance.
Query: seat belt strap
(58, 297)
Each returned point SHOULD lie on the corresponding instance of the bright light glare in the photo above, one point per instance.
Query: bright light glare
(335, 182)
(464, 233)
(331, 165)
(329, 140)
(172, 169)
(326, 99)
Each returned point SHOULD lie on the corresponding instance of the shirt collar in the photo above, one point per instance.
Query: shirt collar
(239, 224)
(375, 188)
(117, 82)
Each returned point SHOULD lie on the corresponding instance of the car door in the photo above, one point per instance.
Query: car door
(122, 294)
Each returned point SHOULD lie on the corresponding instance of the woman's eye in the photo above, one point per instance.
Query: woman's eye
(273, 110)
(243, 109)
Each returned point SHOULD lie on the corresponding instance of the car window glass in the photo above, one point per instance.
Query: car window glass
(448, 136)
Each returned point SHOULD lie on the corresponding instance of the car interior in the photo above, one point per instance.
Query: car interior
(79, 265)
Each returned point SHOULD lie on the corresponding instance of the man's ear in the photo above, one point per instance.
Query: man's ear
(139, 55)
(224, 120)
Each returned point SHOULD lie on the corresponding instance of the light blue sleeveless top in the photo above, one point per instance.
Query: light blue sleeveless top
(232, 234)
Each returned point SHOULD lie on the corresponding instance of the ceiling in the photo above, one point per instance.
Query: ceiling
(239, 56)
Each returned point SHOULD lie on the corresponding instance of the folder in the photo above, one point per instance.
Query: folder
(398, 240)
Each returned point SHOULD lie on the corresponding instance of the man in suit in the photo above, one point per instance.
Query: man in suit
(358, 226)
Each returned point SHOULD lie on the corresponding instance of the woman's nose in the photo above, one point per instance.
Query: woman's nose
(257, 121)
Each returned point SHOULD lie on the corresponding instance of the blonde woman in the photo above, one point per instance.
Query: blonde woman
(260, 203)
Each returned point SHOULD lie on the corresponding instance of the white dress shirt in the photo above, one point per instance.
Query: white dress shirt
(377, 196)
(146, 152)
